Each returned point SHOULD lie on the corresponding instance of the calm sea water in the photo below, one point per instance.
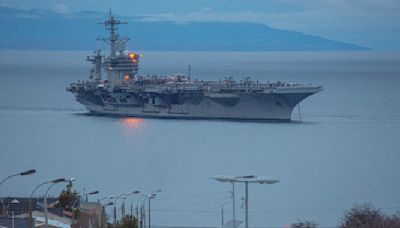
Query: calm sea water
(344, 152)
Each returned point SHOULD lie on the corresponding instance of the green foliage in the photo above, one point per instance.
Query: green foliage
(67, 198)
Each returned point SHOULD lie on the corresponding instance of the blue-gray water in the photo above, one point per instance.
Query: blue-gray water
(344, 152)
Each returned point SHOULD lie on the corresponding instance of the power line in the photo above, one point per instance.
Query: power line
(312, 211)
(199, 202)
(191, 196)
(168, 210)
(188, 216)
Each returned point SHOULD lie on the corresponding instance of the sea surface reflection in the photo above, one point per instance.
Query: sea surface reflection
(131, 122)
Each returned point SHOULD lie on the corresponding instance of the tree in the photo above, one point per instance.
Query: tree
(304, 224)
(393, 221)
(363, 216)
(67, 199)
(129, 221)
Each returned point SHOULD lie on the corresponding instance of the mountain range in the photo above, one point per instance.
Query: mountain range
(37, 29)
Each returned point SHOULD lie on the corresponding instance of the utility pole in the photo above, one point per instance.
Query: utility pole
(149, 211)
(246, 204)
(222, 217)
(233, 205)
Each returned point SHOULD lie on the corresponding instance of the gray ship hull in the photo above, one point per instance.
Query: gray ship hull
(276, 106)
(126, 93)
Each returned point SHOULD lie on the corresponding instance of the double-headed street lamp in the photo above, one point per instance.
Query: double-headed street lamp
(246, 180)
(28, 172)
(150, 196)
(232, 180)
(33, 192)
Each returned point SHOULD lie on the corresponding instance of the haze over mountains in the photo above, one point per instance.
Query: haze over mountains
(48, 30)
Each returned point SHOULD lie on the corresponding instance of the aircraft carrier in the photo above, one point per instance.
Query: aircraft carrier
(123, 92)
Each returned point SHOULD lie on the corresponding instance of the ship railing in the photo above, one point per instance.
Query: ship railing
(175, 89)
(85, 84)
(203, 86)
(250, 85)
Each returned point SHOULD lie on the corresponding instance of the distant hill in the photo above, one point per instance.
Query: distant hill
(47, 30)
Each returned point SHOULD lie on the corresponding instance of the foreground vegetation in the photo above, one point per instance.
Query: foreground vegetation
(360, 216)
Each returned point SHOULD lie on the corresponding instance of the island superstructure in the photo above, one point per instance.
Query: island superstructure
(123, 92)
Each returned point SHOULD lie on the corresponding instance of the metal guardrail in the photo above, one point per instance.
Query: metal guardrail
(211, 86)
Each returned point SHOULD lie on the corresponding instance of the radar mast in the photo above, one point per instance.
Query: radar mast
(111, 24)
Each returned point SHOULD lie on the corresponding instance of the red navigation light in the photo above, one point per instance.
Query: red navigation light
(132, 55)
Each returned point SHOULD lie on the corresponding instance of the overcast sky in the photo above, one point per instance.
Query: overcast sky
(371, 23)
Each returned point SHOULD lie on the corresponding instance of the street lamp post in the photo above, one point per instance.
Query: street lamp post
(150, 196)
(246, 180)
(115, 209)
(103, 220)
(257, 181)
(143, 197)
(90, 193)
(222, 212)
(104, 206)
(140, 220)
(246, 204)
(136, 209)
(123, 202)
(222, 216)
(143, 215)
(33, 192)
(123, 212)
(232, 180)
(136, 192)
(46, 214)
(28, 172)
(123, 206)
(78, 199)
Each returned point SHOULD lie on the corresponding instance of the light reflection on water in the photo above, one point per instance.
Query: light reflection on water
(132, 122)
